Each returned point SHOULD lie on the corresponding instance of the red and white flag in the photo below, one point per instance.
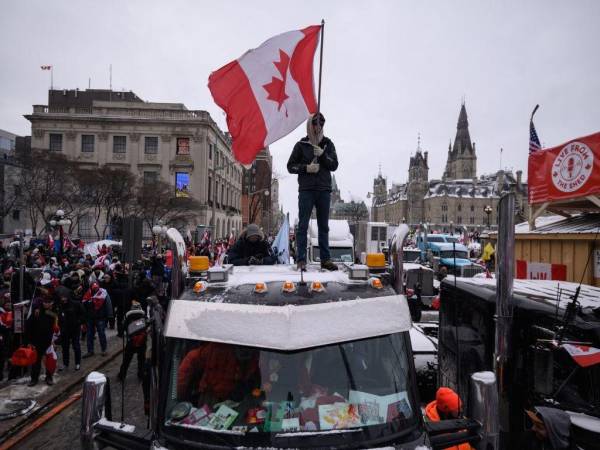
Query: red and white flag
(268, 91)
(583, 355)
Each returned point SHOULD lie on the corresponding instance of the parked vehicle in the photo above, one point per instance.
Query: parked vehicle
(545, 322)
(443, 251)
(341, 242)
(261, 357)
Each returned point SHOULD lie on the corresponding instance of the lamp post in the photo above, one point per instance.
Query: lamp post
(160, 231)
(488, 211)
(60, 220)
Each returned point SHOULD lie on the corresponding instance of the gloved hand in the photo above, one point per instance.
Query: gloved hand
(312, 168)
(252, 261)
(318, 151)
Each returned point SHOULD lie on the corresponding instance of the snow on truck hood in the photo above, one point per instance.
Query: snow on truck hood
(287, 326)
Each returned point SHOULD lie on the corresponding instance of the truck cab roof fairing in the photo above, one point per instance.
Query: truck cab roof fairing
(288, 327)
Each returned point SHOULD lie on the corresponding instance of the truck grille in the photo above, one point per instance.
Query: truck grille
(471, 271)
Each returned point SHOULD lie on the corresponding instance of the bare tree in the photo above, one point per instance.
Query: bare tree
(157, 202)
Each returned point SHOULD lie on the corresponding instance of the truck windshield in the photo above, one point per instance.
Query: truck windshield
(256, 396)
(452, 254)
(411, 255)
(338, 254)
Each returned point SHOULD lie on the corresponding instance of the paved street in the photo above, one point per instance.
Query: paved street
(62, 432)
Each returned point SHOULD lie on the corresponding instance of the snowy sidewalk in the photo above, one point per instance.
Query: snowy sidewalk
(64, 382)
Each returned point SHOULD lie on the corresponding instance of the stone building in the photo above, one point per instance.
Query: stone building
(153, 140)
(257, 192)
(339, 209)
(457, 201)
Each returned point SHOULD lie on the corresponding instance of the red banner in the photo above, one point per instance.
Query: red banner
(568, 171)
(540, 271)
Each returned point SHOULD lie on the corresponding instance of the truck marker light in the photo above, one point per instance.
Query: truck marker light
(199, 287)
(289, 287)
(375, 283)
(317, 286)
(260, 288)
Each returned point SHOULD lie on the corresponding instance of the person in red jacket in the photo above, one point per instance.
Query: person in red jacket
(214, 372)
(446, 406)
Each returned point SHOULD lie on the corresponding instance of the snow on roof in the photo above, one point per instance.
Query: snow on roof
(339, 230)
(288, 327)
(285, 272)
(578, 224)
(413, 266)
(588, 295)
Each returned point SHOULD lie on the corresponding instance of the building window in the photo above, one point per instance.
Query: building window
(16, 214)
(182, 184)
(472, 208)
(151, 145)
(210, 199)
(150, 177)
(119, 144)
(56, 142)
(183, 146)
(210, 150)
(472, 220)
(459, 219)
(459, 207)
(87, 143)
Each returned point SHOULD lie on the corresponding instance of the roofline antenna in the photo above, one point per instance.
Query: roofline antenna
(110, 83)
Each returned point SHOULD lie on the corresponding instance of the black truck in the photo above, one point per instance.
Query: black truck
(546, 321)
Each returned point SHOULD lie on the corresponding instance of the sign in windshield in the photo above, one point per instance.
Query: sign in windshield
(363, 386)
(338, 254)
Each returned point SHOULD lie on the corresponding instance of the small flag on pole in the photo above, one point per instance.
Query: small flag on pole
(46, 67)
(534, 141)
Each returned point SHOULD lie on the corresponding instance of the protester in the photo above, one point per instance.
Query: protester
(447, 405)
(135, 330)
(41, 327)
(313, 159)
(251, 249)
(98, 310)
(71, 316)
(6, 323)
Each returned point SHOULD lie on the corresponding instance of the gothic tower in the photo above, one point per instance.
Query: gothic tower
(462, 160)
(379, 189)
(418, 186)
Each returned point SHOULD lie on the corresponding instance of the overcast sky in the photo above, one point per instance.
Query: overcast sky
(392, 69)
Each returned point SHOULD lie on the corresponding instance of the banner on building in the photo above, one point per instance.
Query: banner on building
(540, 271)
(565, 172)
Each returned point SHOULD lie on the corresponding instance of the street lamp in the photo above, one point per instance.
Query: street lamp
(61, 221)
(488, 210)
(160, 231)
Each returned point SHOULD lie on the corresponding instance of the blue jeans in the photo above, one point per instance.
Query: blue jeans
(92, 327)
(68, 341)
(307, 200)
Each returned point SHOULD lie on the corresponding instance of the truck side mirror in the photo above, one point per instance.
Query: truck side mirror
(95, 404)
(483, 407)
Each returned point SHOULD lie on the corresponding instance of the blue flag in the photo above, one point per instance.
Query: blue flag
(281, 244)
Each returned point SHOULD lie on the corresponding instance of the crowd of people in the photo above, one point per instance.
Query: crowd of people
(66, 297)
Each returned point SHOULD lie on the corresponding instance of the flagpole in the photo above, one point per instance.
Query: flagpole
(320, 65)
(534, 111)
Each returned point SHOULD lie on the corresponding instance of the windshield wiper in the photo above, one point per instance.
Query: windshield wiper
(314, 433)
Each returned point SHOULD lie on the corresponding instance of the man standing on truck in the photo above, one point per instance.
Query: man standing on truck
(313, 159)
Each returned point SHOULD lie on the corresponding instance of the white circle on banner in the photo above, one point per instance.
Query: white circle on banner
(572, 167)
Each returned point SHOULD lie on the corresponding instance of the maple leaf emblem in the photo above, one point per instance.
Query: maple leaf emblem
(588, 167)
(276, 88)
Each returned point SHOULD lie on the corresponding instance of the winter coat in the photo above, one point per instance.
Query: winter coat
(433, 415)
(303, 154)
(41, 328)
(97, 305)
(213, 369)
(71, 316)
(243, 249)
(28, 286)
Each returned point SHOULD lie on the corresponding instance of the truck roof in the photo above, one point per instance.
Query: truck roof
(231, 312)
(542, 293)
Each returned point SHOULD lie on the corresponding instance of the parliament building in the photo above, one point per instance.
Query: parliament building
(459, 200)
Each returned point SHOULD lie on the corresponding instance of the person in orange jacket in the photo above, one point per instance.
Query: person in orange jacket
(446, 405)
(214, 372)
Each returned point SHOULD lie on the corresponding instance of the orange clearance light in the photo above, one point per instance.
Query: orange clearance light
(260, 288)
(289, 287)
(317, 286)
(199, 287)
(375, 260)
(375, 283)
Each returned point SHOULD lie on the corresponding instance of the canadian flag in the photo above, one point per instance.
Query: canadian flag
(583, 355)
(268, 91)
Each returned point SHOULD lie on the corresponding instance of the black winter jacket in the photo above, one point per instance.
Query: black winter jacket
(71, 316)
(41, 328)
(303, 154)
(243, 249)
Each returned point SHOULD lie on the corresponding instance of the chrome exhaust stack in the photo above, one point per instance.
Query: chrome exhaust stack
(396, 256)
(95, 405)
(483, 407)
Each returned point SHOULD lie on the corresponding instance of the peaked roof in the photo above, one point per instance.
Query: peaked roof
(462, 141)
(334, 185)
